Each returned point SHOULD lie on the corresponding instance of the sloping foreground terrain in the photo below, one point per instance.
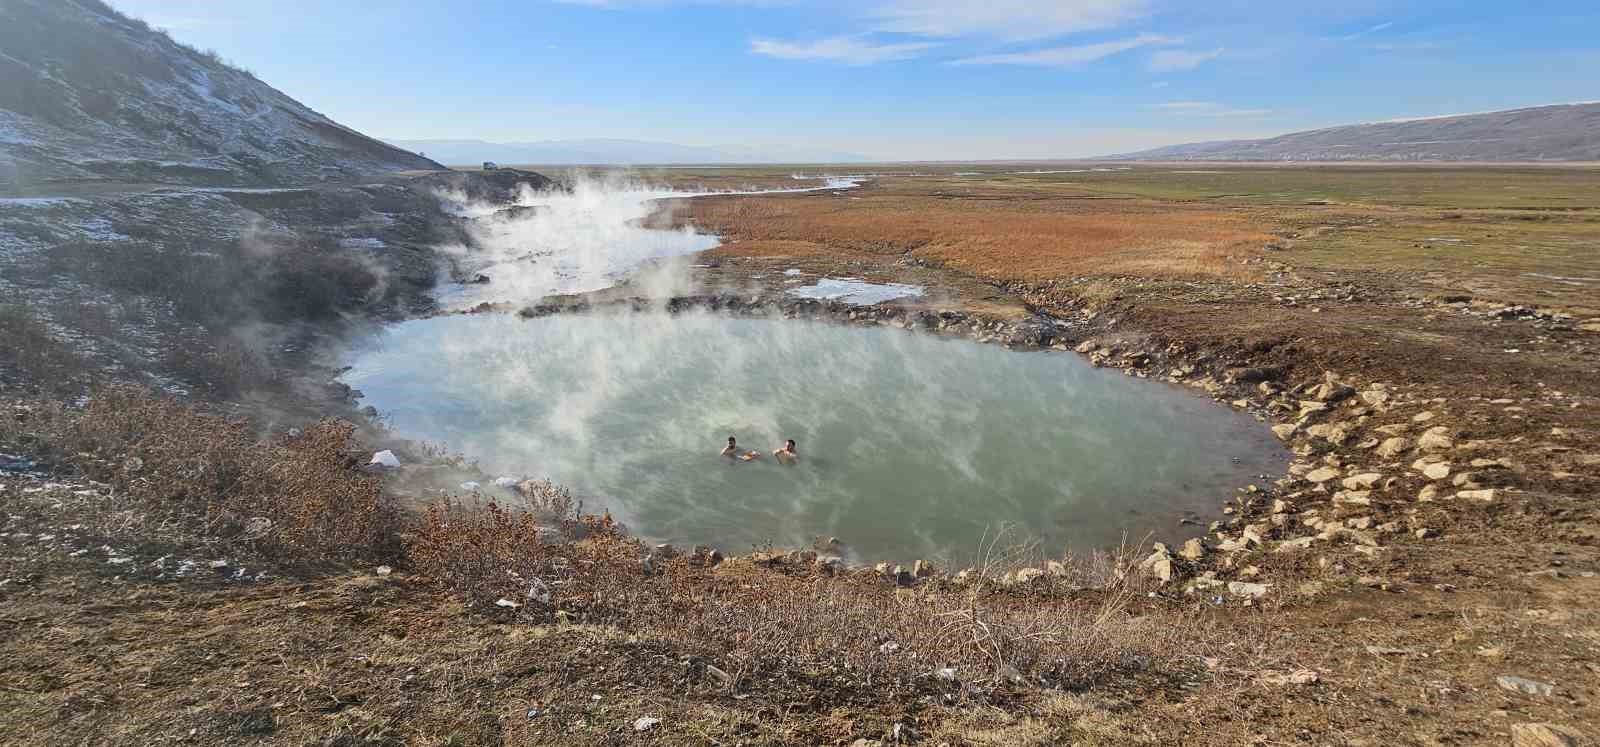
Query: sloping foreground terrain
(1564, 132)
(87, 93)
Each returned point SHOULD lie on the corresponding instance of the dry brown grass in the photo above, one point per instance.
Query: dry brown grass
(551, 564)
(1014, 241)
(302, 497)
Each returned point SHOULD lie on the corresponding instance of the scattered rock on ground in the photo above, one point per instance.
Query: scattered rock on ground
(1545, 735)
(1524, 685)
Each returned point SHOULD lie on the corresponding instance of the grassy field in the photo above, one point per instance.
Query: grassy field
(1506, 234)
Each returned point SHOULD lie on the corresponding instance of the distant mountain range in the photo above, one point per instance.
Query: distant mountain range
(87, 93)
(1563, 132)
(600, 151)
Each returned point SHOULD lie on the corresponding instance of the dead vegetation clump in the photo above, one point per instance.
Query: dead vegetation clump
(31, 353)
(301, 496)
(767, 614)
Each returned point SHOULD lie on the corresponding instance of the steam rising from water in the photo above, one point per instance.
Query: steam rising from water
(574, 241)
(912, 444)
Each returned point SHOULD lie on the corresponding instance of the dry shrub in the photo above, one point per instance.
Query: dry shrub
(192, 466)
(755, 620)
(537, 554)
(31, 352)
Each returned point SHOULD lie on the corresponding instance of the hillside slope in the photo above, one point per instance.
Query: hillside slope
(1564, 132)
(89, 94)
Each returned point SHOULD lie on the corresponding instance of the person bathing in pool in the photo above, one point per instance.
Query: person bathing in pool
(787, 454)
(732, 451)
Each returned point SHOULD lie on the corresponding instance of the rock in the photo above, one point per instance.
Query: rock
(1253, 374)
(1284, 431)
(1281, 506)
(1486, 495)
(902, 576)
(1322, 474)
(1247, 589)
(1425, 533)
(1056, 568)
(1158, 566)
(1376, 397)
(967, 575)
(1194, 549)
(1524, 685)
(1353, 497)
(1545, 735)
(882, 569)
(1436, 438)
(1422, 417)
(1027, 575)
(922, 569)
(1428, 493)
(1436, 471)
(385, 459)
(1393, 447)
(646, 723)
(1298, 543)
(1363, 481)
(1312, 407)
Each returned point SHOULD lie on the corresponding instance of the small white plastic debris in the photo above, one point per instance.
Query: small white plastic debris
(385, 458)
(384, 570)
(506, 603)
(947, 674)
(889, 647)
(505, 482)
(220, 564)
(646, 723)
(471, 485)
(119, 561)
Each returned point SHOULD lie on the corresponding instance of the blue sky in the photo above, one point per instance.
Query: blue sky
(896, 79)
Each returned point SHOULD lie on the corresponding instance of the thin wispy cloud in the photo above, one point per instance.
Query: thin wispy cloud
(1208, 109)
(1014, 20)
(1372, 30)
(849, 50)
(1173, 60)
(1068, 56)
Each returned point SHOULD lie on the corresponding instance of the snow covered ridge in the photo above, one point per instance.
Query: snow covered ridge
(107, 97)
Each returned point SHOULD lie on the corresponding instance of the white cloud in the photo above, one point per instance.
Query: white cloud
(1370, 30)
(1208, 109)
(1066, 56)
(851, 50)
(1007, 19)
(1169, 60)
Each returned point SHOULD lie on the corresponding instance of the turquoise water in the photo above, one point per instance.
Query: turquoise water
(911, 445)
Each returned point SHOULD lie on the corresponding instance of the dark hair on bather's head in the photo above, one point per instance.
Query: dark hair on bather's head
(790, 444)
(730, 439)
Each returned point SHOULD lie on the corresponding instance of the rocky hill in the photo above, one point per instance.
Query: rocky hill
(89, 94)
(1564, 132)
